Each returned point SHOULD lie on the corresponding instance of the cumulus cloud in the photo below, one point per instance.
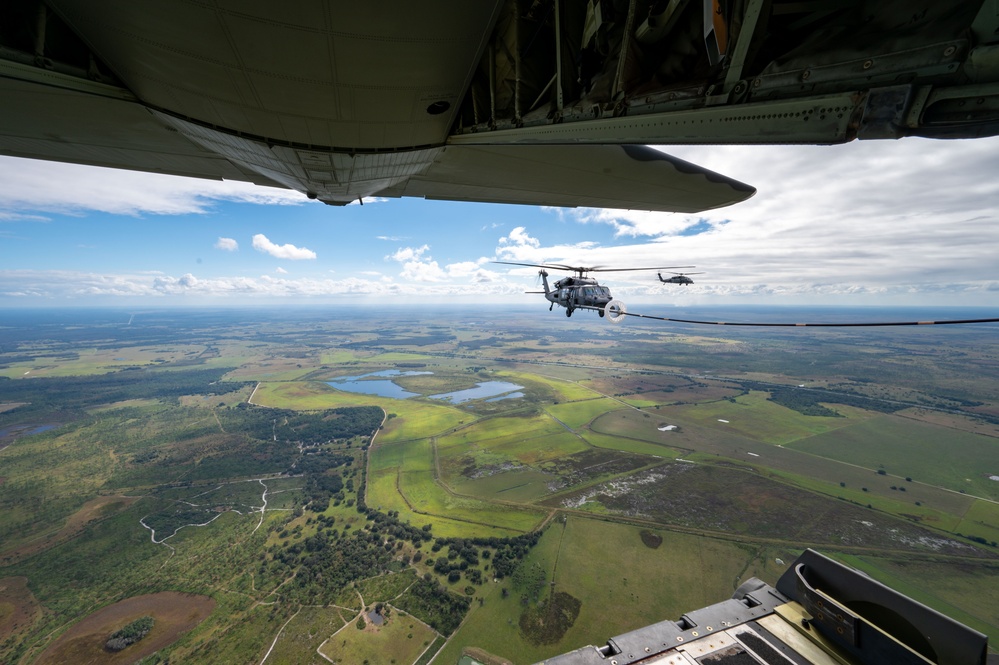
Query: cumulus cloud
(419, 266)
(281, 270)
(877, 220)
(404, 254)
(519, 238)
(227, 244)
(262, 244)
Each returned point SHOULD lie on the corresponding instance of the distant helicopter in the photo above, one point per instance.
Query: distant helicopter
(580, 291)
(678, 278)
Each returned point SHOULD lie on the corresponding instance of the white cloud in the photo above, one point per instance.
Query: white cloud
(281, 270)
(58, 286)
(21, 217)
(881, 221)
(33, 185)
(404, 254)
(262, 244)
(519, 238)
(227, 244)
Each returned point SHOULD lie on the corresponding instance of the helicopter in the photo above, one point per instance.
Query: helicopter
(678, 278)
(582, 292)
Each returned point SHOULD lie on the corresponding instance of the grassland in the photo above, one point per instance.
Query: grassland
(953, 459)
(304, 634)
(620, 581)
(724, 501)
(401, 639)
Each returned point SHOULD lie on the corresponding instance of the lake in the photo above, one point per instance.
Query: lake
(481, 391)
(382, 384)
(376, 386)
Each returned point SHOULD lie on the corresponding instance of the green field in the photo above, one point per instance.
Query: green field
(931, 454)
(754, 417)
(401, 639)
(621, 583)
(577, 414)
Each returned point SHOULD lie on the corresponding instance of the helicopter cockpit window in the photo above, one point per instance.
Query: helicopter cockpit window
(605, 291)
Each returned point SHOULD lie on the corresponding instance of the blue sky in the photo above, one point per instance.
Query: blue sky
(909, 222)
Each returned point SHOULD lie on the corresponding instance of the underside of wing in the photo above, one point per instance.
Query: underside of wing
(595, 176)
(66, 119)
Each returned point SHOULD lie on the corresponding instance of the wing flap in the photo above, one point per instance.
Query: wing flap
(596, 176)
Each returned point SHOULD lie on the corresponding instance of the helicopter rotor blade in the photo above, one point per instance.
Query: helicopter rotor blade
(529, 265)
(633, 269)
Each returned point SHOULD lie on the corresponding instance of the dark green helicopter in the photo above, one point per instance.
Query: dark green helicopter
(582, 292)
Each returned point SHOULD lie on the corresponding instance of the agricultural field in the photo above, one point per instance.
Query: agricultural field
(936, 455)
(204, 454)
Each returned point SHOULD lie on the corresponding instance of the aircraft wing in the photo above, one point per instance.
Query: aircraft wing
(522, 101)
(595, 176)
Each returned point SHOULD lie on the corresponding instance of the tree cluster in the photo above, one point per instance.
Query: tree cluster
(130, 634)
(306, 428)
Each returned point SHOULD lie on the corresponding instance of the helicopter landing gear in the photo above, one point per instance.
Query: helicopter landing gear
(551, 306)
(601, 313)
(568, 312)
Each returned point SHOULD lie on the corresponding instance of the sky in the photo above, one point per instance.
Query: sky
(869, 223)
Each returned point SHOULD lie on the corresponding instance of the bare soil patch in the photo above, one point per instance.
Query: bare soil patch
(175, 613)
(18, 607)
(101, 507)
(484, 656)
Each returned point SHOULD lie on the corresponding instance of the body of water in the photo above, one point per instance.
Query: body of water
(481, 391)
(513, 395)
(383, 387)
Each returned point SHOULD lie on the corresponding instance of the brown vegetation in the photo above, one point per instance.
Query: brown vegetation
(484, 656)
(101, 507)
(18, 607)
(175, 613)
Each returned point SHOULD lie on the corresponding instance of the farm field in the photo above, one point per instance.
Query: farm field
(608, 496)
(952, 459)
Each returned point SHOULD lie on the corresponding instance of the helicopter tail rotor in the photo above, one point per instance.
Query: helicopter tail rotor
(615, 311)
